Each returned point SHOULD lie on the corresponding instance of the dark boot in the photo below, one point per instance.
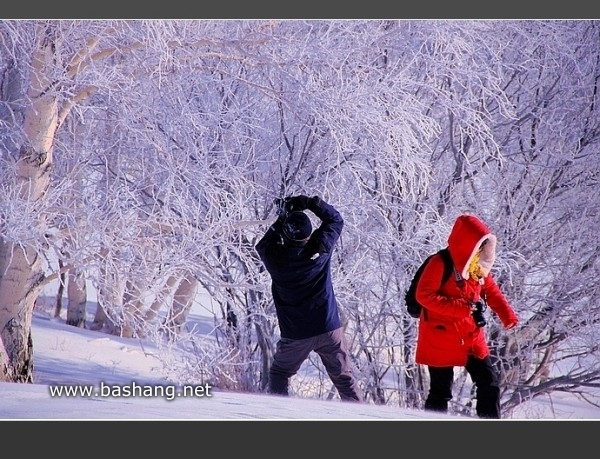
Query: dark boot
(487, 392)
(488, 402)
(278, 384)
(434, 403)
(440, 388)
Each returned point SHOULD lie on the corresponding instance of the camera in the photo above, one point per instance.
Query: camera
(478, 317)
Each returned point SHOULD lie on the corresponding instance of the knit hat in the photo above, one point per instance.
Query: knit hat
(297, 226)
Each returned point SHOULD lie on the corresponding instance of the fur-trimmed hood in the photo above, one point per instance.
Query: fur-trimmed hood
(464, 241)
(447, 334)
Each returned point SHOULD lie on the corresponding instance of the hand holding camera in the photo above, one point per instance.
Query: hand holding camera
(477, 310)
(293, 203)
(281, 206)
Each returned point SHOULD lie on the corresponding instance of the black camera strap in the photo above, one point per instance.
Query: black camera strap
(459, 279)
(484, 300)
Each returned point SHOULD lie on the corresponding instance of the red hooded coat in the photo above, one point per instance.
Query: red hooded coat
(447, 333)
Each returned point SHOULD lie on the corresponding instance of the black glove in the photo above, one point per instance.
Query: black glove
(298, 203)
(294, 203)
(281, 206)
(302, 202)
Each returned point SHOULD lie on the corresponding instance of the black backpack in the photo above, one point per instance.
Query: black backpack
(412, 305)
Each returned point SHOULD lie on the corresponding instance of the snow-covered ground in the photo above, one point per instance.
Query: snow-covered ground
(66, 356)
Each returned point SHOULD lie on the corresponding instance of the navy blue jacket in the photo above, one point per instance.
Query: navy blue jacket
(301, 285)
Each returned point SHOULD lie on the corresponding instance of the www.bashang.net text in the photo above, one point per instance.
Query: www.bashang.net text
(168, 392)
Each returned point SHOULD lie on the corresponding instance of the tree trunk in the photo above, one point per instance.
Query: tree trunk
(182, 302)
(101, 320)
(21, 273)
(77, 299)
(20, 265)
(61, 289)
(133, 320)
(152, 311)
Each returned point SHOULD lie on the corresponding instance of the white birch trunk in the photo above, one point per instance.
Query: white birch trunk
(133, 320)
(152, 311)
(77, 299)
(182, 302)
(20, 265)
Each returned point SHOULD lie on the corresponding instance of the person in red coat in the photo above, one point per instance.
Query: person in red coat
(448, 334)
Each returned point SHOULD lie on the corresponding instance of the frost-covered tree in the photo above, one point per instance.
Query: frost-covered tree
(145, 156)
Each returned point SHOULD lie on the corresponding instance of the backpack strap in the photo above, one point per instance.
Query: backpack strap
(449, 268)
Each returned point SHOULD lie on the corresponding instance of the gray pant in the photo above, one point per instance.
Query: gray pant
(331, 348)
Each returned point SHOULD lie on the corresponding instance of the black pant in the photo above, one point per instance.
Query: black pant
(331, 347)
(483, 376)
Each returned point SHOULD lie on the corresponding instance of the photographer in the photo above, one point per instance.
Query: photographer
(452, 323)
(298, 261)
